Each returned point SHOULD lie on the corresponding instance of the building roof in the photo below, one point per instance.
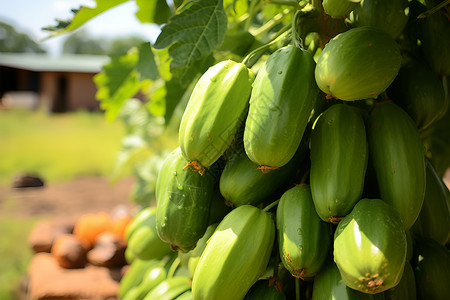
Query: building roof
(39, 62)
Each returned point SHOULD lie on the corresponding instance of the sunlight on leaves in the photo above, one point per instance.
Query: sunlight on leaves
(197, 30)
(82, 15)
(153, 11)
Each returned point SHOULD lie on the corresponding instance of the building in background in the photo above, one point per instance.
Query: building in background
(55, 84)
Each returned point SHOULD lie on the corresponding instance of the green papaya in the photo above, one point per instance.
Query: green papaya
(397, 153)
(434, 218)
(183, 200)
(431, 264)
(143, 241)
(303, 238)
(435, 41)
(241, 182)
(339, 8)
(337, 176)
(419, 91)
(185, 296)
(406, 289)
(151, 279)
(390, 16)
(328, 285)
(219, 208)
(135, 274)
(169, 289)
(194, 255)
(265, 289)
(358, 64)
(281, 104)
(370, 247)
(214, 113)
(236, 255)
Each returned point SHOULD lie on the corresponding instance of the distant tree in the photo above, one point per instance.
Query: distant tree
(81, 42)
(121, 45)
(13, 41)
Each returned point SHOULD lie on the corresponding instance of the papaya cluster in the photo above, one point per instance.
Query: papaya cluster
(306, 176)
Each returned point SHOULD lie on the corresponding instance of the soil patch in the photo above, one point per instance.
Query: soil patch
(70, 199)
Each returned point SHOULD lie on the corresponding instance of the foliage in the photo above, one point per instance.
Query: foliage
(12, 40)
(196, 34)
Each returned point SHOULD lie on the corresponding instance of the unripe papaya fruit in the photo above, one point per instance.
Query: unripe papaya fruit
(419, 91)
(431, 264)
(370, 247)
(434, 218)
(135, 274)
(236, 255)
(406, 289)
(390, 16)
(151, 279)
(265, 289)
(241, 182)
(142, 237)
(398, 158)
(339, 8)
(358, 64)
(435, 41)
(339, 155)
(281, 104)
(183, 200)
(328, 285)
(303, 238)
(214, 113)
(169, 289)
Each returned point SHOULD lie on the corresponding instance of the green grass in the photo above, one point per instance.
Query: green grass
(59, 147)
(15, 253)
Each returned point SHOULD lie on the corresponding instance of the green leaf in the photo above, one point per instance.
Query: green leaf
(117, 82)
(195, 32)
(166, 98)
(235, 8)
(146, 65)
(82, 15)
(153, 11)
(123, 77)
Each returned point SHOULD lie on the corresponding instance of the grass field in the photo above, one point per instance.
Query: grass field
(15, 254)
(58, 147)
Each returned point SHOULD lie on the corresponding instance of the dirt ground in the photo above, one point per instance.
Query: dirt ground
(70, 199)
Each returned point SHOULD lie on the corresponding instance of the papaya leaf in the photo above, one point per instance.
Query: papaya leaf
(123, 77)
(153, 11)
(81, 16)
(117, 82)
(166, 98)
(235, 8)
(195, 32)
(146, 65)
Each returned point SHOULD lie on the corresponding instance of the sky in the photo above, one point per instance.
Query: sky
(29, 16)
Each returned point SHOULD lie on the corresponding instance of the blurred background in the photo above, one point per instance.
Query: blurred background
(59, 156)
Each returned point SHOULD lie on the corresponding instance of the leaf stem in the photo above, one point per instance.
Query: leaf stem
(277, 19)
(271, 205)
(296, 39)
(251, 14)
(433, 10)
(292, 3)
(173, 267)
(297, 288)
(253, 56)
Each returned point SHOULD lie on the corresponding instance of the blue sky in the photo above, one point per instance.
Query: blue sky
(29, 16)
